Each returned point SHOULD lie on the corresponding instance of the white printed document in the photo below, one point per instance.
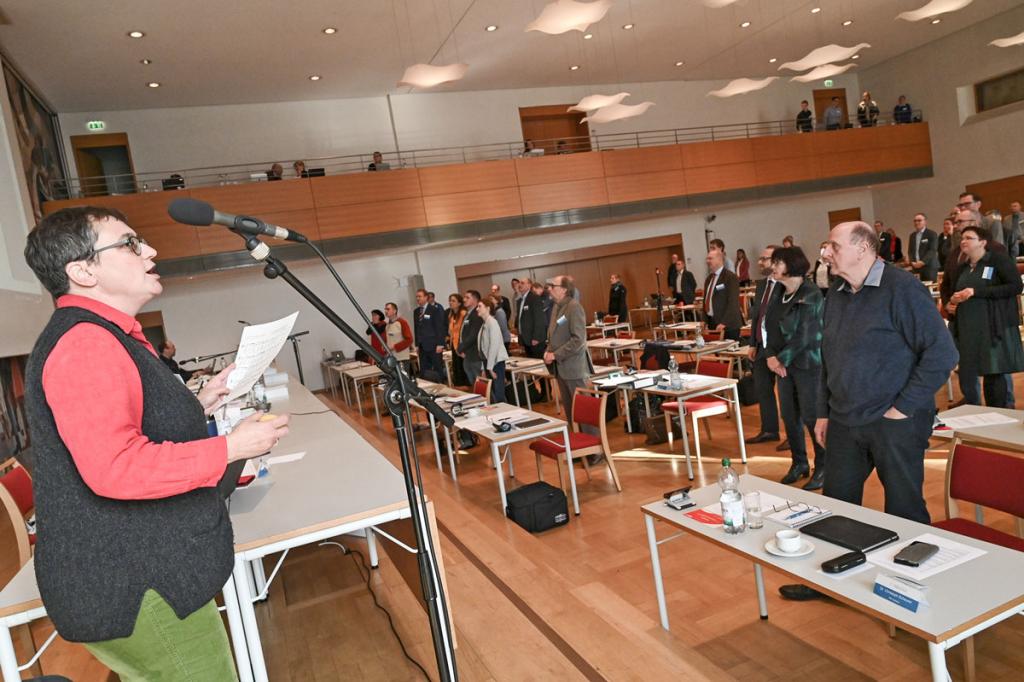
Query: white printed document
(969, 421)
(258, 347)
(951, 553)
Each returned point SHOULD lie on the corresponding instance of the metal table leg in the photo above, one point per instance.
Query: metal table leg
(572, 471)
(501, 475)
(248, 614)
(437, 445)
(8, 660)
(659, 587)
(739, 422)
(937, 656)
(237, 631)
(685, 437)
(762, 603)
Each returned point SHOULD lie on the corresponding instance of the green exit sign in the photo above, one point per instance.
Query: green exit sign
(829, 82)
(95, 125)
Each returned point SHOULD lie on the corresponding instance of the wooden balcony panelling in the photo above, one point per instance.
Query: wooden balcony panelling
(780, 171)
(172, 240)
(258, 198)
(362, 188)
(545, 170)
(486, 204)
(469, 177)
(643, 160)
(380, 216)
(719, 178)
(782, 146)
(218, 239)
(560, 196)
(641, 186)
(701, 154)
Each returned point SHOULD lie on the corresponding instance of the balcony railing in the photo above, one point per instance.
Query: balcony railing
(210, 176)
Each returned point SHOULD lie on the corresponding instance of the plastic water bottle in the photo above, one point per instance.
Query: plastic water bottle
(699, 341)
(675, 381)
(734, 515)
(597, 318)
(647, 302)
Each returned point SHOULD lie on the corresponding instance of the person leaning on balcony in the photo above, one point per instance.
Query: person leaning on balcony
(805, 119)
(902, 112)
(834, 115)
(378, 163)
(867, 111)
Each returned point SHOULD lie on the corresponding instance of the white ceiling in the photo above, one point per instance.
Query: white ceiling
(77, 53)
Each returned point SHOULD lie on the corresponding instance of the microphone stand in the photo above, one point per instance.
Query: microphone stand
(294, 338)
(399, 391)
(657, 281)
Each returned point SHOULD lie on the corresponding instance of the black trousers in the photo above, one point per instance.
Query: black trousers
(431, 360)
(764, 385)
(534, 351)
(731, 334)
(798, 396)
(895, 447)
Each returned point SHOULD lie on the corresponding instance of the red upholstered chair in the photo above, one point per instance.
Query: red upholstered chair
(611, 319)
(712, 335)
(16, 498)
(701, 406)
(482, 387)
(588, 409)
(625, 334)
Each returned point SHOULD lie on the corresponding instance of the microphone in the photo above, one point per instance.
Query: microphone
(201, 214)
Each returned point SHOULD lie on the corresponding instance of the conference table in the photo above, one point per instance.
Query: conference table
(340, 485)
(1005, 436)
(604, 328)
(615, 346)
(517, 367)
(953, 613)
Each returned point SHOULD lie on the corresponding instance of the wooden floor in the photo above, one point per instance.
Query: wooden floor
(578, 602)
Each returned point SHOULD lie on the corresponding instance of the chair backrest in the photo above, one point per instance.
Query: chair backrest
(625, 334)
(714, 368)
(986, 478)
(712, 335)
(611, 319)
(16, 499)
(588, 408)
(482, 387)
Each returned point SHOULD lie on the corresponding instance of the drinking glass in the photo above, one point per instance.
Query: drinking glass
(752, 503)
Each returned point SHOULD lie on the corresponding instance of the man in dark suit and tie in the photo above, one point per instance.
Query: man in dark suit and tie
(681, 281)
(533, 324)
(1013, 229)
(722, 297)
(430, 327)
(924, 250)
(766, 294)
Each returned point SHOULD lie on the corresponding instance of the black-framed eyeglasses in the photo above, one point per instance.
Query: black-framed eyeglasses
(133, 242)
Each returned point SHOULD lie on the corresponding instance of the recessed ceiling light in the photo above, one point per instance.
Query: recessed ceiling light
(574, 67)
(745, 24)
(936, 20)
(492, 28)
(588, 36)
(847, 22)
(152, 84)
(856, 56)
(815, 10)
(146, 62)
(628, 27)
(330, 30)
(314, 77)
(136, 34)
(772, 60)
(679, 63)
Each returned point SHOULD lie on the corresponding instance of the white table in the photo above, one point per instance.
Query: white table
(481, 426)
(517, 367)
(358, 376)
(541, 372)
(616, 346)
(19, 604)
(340, 370)
(609, 327)
(626, 383)
(694, 386)
(1008, 436)
(996, 591)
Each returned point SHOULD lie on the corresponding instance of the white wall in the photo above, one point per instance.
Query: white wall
(200, 314)
(962, 154)
(24, 307)
(193, 137)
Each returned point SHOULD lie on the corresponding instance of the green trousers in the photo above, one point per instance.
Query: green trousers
(163, 648)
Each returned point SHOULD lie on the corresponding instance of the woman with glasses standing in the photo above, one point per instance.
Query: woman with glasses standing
(983, 319)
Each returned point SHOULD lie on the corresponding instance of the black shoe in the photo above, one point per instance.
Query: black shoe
(762, 437)
(817, 481)
(796, 472)
(783, 446)
(800, 593)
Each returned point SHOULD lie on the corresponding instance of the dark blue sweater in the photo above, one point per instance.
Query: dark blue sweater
(884, 346)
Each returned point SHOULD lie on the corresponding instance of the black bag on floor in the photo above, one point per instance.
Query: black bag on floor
(536, 395)
(537, 507)
(637, 413)
(745, 387)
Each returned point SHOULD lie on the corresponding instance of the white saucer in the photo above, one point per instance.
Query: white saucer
(805, 548)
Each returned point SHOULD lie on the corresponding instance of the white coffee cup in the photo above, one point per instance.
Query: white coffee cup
(788, 540)
(474, 412)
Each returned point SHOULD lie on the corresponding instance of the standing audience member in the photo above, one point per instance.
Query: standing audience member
(533, 323)
(722, 297)
(1013, 229)
(867, 111)
(275, 172)
(517, 299)
(885, 352)
(742, 268)
(502, 301)
(431, 328)
(681, 281)
(617, 304)
(547, 303)
(493, 353)
(823, 276)
(897, 245)
(300, 168)
(885, 243)
(467, 348)
(946, 241)
(923, 250)
(455, 314)
(398, 335)
(378, 324)
(787, 241)
(972, 202)
(378, 163)
(766, 294)
(794, 354)
(834, 115)
(902, 112)
(805, 119)
(499, 316)
(718, 244)
(983, 319)
(566, 354)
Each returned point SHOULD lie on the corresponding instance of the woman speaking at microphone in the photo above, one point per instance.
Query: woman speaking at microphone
(134, 539)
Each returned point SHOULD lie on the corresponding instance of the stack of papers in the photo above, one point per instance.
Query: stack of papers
(969, 421)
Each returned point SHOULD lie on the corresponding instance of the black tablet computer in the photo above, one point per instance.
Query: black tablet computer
(850, 533)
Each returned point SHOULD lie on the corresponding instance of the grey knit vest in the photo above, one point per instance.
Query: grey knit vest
(96, 556)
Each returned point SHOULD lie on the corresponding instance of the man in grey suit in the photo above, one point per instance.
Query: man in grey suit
(566, 354)
(1013, 228)
(923, 252)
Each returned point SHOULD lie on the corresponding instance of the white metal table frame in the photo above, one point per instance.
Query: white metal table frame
(610, 327)
(937, 645)
(616, 346)
(517, 371)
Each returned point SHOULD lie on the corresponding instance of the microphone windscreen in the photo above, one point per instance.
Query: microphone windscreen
(191, 212)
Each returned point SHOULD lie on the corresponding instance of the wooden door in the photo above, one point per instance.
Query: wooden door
(823, 100)
(89, 166)
(843, 215)
(546, 125)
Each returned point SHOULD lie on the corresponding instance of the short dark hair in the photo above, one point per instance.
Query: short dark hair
(717, 244)
(803, 101)
(835, 99)
(794, 259)
(389, 304)
(515, 280)
(421, 291)
(984, 234)
(63, 237)
(973, 195)
(474, 293)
